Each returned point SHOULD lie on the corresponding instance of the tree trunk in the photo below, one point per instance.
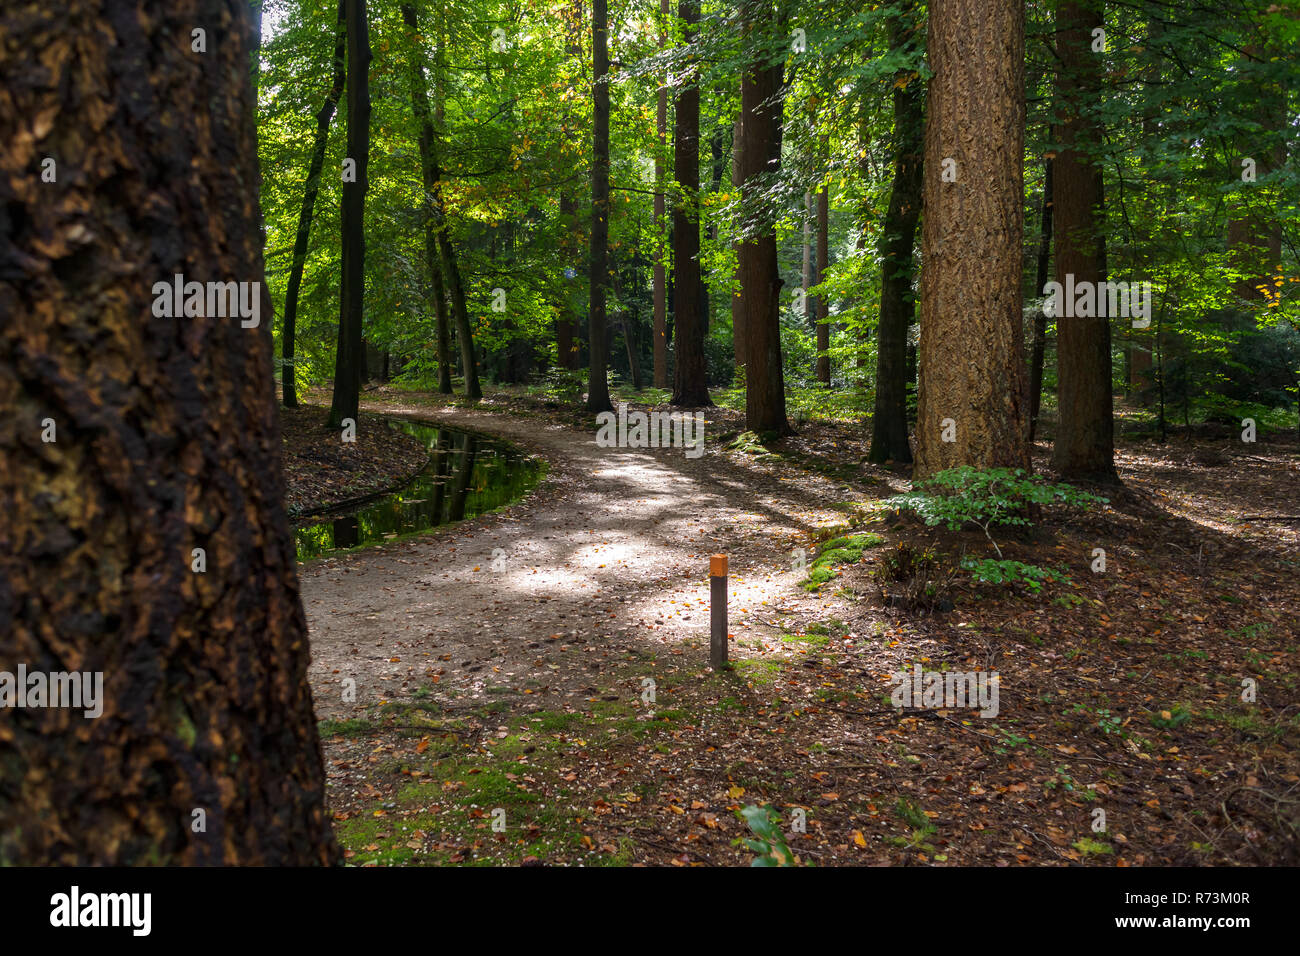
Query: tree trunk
(1084, 446)
(166, 439)
(451, 271)
(660, 267)
(738, 341)
(597, 377)
(430, 176)
(1039, 346)
(566, 326)
(823, 304)
(889, 440)
(347, 364)
(806, 273)
(761, 105)
(690, 371)
(310, 190)
(972, 369)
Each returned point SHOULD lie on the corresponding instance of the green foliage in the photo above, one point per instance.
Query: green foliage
(989, 497)
(990, 571)
(1172, 718)
(769, 842)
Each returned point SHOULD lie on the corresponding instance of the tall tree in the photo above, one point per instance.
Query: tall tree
(897, 240)
(459, 309)
(762, 105)
(660, 267)
(350, 355)
(430, 178)
(289, 329)
(823, 303)
(972, 373)
(597, 343)
(690, 370)
(1038, 348)
(738, 342)
(161, 437)
(1084, 446)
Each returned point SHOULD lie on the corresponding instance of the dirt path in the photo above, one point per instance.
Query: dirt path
(605, 561)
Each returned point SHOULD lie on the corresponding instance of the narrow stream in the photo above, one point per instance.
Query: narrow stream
(466, 476)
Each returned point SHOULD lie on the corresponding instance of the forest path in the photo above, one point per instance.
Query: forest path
(605, 563)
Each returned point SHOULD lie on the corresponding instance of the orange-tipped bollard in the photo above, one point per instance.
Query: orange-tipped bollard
(718, 611)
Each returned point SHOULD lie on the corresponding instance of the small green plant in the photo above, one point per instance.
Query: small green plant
(769, 843)
(1172, 718)
(1107, 723)
(990, 571)
(956, 497)
(913, 815)
(919, 826)
(1090, 847)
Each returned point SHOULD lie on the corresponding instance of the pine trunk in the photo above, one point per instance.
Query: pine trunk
(889, 441)
(761, 106)
(690, 371)
(166, 440)
(597, 378)
(349, 356)
(972, 372)
(1084, 446)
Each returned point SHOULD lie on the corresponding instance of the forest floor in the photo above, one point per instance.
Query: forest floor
(323, 471)
(566, 696)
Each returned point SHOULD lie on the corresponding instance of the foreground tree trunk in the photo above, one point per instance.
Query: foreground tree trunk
(597, 345)
(431, 176)
(310, 190)
(349, 357)
(972, 371)
(164, 439)
(1084, 446)
(889, 441)
(690, 371)
(760, 278)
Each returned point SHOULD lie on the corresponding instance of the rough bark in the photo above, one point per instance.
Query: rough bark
(972, 361)
(889, 441)
(760, 155)
(738, 341)
(167, 439)
(1039, 345)
(349, 357)
(823, 304)
(310, 190)
(690, 384)
(430, 176)
(1084, 446)
(597, 344)
(660, 267)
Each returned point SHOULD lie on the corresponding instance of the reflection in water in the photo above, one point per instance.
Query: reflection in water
(466, 476)
(347, 533)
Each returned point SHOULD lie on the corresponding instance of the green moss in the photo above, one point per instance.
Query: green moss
(838, 551)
